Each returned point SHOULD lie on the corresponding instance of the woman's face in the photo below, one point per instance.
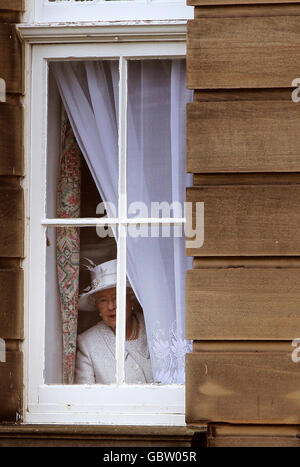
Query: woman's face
(106, 304)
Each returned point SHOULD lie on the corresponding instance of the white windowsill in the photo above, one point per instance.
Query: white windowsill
(125, 405)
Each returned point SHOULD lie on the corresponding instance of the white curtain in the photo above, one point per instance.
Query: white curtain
(156, 262)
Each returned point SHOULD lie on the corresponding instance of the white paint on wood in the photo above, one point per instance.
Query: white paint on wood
(146, 405)
(53, 353)
(69, 11)
(122, 213)
(92, 221)
(115, 32)
(2, 90)
(115, 404)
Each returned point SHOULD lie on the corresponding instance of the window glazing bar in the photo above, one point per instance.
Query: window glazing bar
(80, 222)
(92, 221)
(122, 210)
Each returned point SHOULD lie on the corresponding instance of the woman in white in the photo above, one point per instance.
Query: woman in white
(95, 359)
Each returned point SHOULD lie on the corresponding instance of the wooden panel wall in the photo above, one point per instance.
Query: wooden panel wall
(199, 3)
(247, 136)
(97, 436)
(243, 52)
(243, 294)
(11, 214)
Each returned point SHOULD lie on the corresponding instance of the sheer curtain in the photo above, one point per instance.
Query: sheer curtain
(156, 265)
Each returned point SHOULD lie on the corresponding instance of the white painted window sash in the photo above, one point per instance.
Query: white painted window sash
(94, 222)
(119, 403)
(122, 212)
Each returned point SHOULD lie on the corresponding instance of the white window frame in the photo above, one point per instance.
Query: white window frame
(43, 11)
(121, 404)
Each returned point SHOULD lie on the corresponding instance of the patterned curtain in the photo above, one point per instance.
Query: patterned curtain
(68, 244)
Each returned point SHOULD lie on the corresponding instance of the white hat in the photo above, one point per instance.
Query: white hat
(103, 276)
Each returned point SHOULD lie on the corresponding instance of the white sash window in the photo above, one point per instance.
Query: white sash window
(99, 404)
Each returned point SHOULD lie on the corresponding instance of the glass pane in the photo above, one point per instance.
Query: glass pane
(157, 98)
(82, 164)
(72, 268)
(138, 368)
(156, 268)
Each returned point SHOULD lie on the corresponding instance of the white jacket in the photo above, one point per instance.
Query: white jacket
(95, 358)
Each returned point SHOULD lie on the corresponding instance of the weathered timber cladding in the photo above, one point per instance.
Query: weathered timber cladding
(11, 387)
(236, 2)
(243, 137)
(253, 436)
(11, 310)
(265, 178)
(12, 222)
(12, 5)
(11, 139)
(245, 387)
(248, 219)
(244, 52)
(232, 95)
(10, 16)
(228, 303)
(95, 436)
(11, 213)
(242, 295)
(248, 346)
(11, 58)
(236, 11)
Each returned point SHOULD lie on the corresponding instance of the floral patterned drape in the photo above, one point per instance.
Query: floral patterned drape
(68, 244)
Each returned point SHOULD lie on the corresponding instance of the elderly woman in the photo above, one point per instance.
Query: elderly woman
(95, 359)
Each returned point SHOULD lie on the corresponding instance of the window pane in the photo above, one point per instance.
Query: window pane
(73, 255)
(157, 98)
(156, 267)
(82, 167)
(138, 367)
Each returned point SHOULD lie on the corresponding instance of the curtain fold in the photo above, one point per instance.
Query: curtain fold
(156, 265)
(68, 244)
